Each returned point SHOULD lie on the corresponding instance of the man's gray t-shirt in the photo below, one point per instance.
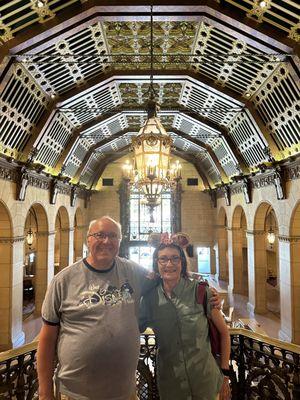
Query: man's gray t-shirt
(98, 343)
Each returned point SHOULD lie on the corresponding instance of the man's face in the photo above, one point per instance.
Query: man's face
(104, 246)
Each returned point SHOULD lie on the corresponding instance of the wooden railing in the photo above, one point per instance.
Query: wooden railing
(260, 367)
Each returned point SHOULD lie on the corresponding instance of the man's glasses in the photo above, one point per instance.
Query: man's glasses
(103, 235)
(164, 260)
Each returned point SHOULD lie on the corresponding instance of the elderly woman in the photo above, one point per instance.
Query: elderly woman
(186, 367)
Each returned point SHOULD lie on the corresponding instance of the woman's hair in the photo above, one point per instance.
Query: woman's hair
(181, 254)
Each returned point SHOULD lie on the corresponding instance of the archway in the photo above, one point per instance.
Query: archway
(239, 252)
(61, 246)
(78, 235)
(266, 259)
(35, 276)
(292, 283)
(6, 279)
(222, 251)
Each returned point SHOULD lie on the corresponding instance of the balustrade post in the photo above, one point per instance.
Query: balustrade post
(241, 369)
(296, 382)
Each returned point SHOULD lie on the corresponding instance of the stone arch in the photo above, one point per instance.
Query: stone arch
(6, 278)
(238, 274)
(291, 282)
(261, 255)
(222, 249)
(37, 221)
(78, 234)
(62, 240)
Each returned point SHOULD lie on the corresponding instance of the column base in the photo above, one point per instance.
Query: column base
(19, 340)
(250, 308)
(284, 336)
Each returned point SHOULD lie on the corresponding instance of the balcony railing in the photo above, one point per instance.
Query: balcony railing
(260, 367)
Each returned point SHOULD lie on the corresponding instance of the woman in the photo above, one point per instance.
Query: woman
(186, 367)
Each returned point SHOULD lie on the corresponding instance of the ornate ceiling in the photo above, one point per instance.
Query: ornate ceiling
(75, 82)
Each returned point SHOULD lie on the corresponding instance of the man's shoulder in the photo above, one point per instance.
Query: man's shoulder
(67, 272)
(131, 266)
(124, 262)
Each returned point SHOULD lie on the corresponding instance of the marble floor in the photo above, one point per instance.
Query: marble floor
(269, 322)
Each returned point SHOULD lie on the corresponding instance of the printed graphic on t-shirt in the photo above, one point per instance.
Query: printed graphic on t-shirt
(109, 296)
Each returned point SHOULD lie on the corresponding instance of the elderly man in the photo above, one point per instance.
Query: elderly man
(90, 321)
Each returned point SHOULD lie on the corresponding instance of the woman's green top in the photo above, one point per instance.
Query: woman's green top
(186, 367)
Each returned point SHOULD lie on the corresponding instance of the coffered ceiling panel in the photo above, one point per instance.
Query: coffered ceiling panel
(75, 80)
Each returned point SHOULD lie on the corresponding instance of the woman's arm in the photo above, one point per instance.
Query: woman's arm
(218, 320)
(221, 326)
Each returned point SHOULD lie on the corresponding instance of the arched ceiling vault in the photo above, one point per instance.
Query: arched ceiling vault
(75, 79)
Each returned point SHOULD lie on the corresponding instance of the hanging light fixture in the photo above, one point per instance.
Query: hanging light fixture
(271, 234)
(151, 172)
(29, 235)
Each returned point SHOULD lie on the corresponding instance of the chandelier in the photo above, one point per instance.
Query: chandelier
(151, 172)
(271, 237)
(29, 234)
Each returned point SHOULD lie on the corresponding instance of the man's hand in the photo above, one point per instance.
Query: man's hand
(225, 392)
(215, 299)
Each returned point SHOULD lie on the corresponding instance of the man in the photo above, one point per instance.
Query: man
(90, 320)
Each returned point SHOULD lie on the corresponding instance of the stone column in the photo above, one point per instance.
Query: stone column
(257, 271)
(17, 336)
(65, 258)
(51, 252)
(42, 265)
(71, 246)
(222, 253)
(230, 261)
(295, 289)
(78, 242)
(251, 271)
(237, 260)
(285, 285)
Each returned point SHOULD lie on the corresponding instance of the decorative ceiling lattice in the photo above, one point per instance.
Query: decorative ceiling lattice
(129, 42)
(76, 94)
(136, 94)
(69, 62)
(283, 16)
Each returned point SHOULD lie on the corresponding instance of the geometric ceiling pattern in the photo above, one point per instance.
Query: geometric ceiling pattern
(75, 83)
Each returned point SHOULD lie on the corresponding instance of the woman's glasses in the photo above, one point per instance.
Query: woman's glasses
(173, 260)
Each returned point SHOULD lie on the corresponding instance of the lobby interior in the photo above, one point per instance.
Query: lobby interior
(76, 77)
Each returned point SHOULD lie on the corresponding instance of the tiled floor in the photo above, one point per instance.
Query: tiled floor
(31, 327)
(269, 322)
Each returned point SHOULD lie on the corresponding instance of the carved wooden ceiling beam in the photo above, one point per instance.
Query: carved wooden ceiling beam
(206, 148)
(74, 16)
(90, 152)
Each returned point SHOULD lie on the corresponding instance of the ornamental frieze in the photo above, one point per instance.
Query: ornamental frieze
(262, 181)
(289, 239)
(256, 232)
(11, 240)
(292, 172)
(236, 189)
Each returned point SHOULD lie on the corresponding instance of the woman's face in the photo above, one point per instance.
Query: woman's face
(169, 264)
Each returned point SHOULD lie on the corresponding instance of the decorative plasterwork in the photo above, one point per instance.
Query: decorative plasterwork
(134, 94)
(289, 239)
(129, 42)
(282, 16)
(11, 240)
(42, 9)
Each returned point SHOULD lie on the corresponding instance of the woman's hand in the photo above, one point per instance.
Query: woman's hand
(225, 392)
(215, 299)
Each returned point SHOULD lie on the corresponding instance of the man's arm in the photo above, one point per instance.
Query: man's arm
(45, 360)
